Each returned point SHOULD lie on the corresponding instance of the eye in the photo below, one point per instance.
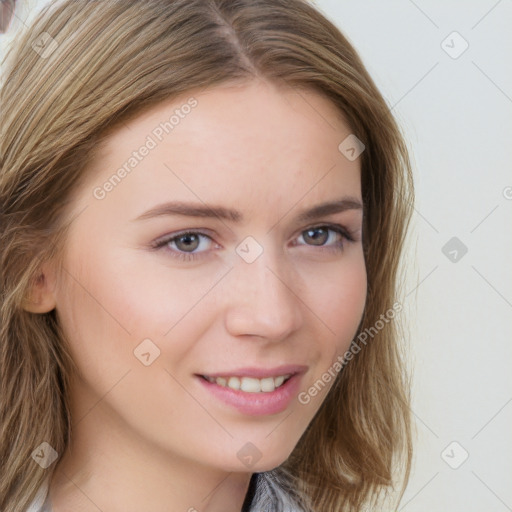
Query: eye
(319, 235)
(187, 243)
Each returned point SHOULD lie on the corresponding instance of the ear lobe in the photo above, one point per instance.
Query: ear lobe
(40, 298)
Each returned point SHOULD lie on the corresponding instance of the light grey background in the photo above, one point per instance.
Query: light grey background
(455, 108)
(457, 116)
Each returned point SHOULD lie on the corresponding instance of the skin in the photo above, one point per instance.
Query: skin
(151, 437)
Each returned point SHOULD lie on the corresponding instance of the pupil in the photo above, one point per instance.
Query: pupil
(189, 238)
(318, 240)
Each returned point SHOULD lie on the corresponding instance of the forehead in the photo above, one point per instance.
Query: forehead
(253, 140)
(248, 114)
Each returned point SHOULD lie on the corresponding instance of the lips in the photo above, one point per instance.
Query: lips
(261, 372)
(255, 391)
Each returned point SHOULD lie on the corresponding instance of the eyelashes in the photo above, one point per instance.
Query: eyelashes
(195, 235)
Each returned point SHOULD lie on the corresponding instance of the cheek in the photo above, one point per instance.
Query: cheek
(152, 297)
(340, 303)
(90, 312)
(340, 300)
(107, 306)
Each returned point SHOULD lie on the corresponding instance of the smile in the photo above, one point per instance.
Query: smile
(254, 391)
(250, 384)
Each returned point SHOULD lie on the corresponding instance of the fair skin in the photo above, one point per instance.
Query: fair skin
(154, 437)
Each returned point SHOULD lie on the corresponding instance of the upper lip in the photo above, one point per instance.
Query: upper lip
(259, 373)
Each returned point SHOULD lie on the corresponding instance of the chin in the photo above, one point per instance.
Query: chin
(269, 457)
(268, 466)
(251, 457)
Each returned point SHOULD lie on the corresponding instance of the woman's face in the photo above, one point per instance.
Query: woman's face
(163, 325)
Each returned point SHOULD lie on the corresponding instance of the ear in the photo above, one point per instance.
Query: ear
(40, 298)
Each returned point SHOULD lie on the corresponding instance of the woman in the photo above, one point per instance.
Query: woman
(203, 207)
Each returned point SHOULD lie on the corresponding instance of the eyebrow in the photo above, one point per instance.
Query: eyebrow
(204, 211)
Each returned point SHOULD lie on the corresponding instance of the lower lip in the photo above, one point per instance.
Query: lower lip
(256, 404)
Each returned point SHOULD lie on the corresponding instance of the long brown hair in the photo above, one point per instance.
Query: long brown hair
(82, 68)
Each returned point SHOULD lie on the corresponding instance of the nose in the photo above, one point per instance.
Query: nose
(261, 300)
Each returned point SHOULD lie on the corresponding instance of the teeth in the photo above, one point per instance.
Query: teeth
(279, 380)
(250, 384)
(234, 383)
(268, 384)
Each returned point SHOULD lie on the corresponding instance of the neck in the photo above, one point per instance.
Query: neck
(108, 467)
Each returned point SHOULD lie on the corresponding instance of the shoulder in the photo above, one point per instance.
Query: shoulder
(274, 493)
(40, 502)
